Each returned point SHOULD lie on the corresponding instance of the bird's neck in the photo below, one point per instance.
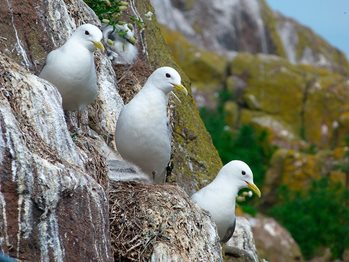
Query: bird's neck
(74, 41)
(148, 89)
(229, 189)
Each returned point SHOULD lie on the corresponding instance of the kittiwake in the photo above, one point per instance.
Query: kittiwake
(71, 67)
(121, 50)
(218, 197)
(143, 135)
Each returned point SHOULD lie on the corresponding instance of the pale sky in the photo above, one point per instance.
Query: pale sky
(328, 18)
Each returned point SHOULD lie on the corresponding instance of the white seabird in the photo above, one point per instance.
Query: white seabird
(121, 50)
(71, 67)
(218, 197)
(142, 135)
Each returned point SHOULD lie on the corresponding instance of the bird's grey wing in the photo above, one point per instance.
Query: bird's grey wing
(229, 232)
(48, 62)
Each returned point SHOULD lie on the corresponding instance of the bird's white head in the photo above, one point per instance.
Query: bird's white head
(90, 36)
(239, 174)
(166, 79)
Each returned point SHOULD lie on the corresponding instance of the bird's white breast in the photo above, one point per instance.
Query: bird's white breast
(220, 206)
(142, 135)
(71, 69)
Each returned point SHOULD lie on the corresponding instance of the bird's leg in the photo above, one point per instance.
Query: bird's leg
(154, 174)
(72, 123)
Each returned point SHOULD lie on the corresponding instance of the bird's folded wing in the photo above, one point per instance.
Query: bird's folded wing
(229, 232)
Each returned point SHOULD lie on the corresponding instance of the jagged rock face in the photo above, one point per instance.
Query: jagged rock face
(289, 100)
(217, 25)
(303, 46)
(53, 205)
(298, 170)
(247, 26)
(51, 195)
(274, 243)
(47, 199)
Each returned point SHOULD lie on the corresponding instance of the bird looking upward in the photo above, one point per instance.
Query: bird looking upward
(71, 67)
(218, 197)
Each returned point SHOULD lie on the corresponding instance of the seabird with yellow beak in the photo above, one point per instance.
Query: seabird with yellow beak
(218, 197)
(143, 135)
(71, 67)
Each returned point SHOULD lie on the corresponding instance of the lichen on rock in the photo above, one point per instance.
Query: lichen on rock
(53, 183)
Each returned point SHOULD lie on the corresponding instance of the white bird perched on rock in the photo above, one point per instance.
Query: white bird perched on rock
(71, 67)
(218, 197)
(121, 49)
(142, 135)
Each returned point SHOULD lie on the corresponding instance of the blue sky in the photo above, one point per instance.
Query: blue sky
(328, 18)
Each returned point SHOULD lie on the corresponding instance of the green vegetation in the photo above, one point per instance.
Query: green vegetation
(344, 164)
(112, 12)
(245, 144)
(316, 219)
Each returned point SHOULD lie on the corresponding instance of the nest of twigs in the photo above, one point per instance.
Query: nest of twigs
(131, 78)
(145, 216)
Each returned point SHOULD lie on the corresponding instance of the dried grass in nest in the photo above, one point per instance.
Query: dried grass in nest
(143, 215)
(131, 78)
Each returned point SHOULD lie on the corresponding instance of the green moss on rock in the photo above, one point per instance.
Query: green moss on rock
(276, 85)
(206, 69)
(309, 101)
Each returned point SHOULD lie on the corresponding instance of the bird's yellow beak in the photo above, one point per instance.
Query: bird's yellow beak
(98, 45)
(254, 188)
(181, 88)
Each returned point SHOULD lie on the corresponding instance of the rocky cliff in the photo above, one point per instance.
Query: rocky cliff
(54, 181)
(284, 82)
(230, 26)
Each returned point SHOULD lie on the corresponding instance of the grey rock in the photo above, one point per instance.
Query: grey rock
(274, 242)
(241, 246)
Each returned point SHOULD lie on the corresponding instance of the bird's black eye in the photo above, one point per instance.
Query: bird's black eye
(243, 173)
(87, 32)
(168, 75)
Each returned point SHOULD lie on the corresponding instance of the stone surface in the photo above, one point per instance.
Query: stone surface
(241, 247)
(345, 256)
(293, 97)
(50, 204)
(250, 26)
(53, 182)
(298, 170)
(273, 242)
